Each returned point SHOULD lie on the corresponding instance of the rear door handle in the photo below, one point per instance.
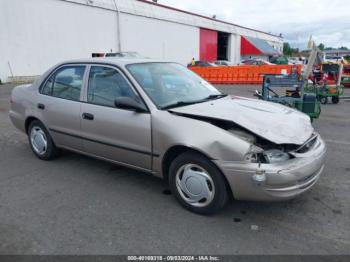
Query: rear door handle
(88, 116)
(41, 106)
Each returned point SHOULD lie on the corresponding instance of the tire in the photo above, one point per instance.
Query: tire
(323, 100)
(335, 99)
(206, 183)
(41, 142)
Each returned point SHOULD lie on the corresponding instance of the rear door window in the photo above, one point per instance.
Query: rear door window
(66, 83)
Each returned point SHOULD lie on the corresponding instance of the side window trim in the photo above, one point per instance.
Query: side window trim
(53, 74)
(86, 85)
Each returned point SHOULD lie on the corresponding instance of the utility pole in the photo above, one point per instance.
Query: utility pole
(118, 26)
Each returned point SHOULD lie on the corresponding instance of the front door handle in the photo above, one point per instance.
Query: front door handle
(88, 116)
(41, 106)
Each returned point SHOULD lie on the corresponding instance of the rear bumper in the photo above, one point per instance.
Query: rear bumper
(281, 181)
(17, 120)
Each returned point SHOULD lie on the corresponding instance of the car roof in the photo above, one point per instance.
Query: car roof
(119, 61)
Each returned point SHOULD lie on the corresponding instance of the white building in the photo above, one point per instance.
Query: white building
(36, 34)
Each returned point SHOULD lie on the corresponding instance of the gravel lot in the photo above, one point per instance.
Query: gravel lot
(79, 205)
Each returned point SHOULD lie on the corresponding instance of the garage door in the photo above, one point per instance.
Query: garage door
(208, 45)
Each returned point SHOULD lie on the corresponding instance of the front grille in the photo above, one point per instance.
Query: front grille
(307, 145)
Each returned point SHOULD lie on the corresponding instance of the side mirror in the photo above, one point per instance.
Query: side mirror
(128, 103)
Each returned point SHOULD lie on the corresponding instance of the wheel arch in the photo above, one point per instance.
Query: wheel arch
(28, 121)
(177, 150)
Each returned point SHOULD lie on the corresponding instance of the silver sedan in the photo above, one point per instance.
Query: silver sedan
(161, 118)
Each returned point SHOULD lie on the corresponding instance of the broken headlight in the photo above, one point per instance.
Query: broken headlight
(275, 155)
(258, 155)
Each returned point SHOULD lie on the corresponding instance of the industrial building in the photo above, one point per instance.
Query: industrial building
(337, 52)
(39, 33)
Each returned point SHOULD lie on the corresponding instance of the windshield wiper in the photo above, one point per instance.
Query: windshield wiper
(215, 96)
(181, 103)
(186, 103)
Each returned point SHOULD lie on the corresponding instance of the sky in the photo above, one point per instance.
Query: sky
(327, 21)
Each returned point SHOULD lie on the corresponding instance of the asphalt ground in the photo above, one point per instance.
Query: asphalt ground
(79, 205)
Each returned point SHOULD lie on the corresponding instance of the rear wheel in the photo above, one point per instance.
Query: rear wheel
(323, 100)
(197, 183)
(40, 141)
(335, 99)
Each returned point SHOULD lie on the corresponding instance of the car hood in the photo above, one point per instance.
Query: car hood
(274, 122)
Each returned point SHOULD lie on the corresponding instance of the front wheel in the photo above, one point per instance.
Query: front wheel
(197, 183)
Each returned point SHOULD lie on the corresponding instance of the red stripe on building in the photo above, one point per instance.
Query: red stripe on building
(248, 48)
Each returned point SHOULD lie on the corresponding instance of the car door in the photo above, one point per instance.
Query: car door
(59, 105)
(116, 134)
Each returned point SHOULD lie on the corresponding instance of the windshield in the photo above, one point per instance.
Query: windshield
(330, 68)
(333, 57)
(171, 85)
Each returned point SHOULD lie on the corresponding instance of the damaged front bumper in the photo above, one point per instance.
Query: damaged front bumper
(278, 181)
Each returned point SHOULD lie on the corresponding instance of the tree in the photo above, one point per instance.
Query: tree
(288, 50)
(321, 46)
(343, 48)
